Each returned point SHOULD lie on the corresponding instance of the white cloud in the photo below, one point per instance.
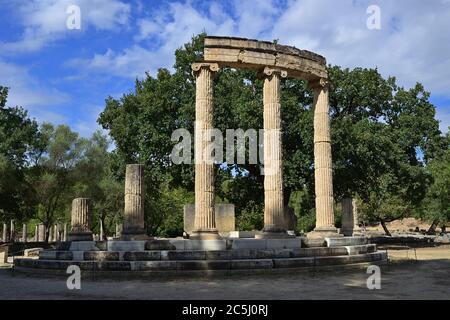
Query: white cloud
(443, 114)
(44, 21)
(27, 92)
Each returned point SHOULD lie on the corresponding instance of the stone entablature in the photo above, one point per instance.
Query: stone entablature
(253, 54)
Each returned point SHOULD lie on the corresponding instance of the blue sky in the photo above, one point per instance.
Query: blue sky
(64, 76)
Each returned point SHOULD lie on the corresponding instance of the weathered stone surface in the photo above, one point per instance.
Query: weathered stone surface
(243, 234)
(142, 256)
(204, 222)
(113, 265)
(290, 219)
(293, 263)
(252, 264)
(204, 245)
(323, 173)
(32, 252)
(4, 254)
(218, 255)
(153, 265)
(83, 246)
(55, 255)
(159, 245)
(361, 249)
(274, 221)
(119, 245)
(345, 241)
(81, 220)
(101, 256)
(186, 255)
(224, 216)
(133, 225)
(203, 265)
(317, 252)
(252, 54)
(266, 243)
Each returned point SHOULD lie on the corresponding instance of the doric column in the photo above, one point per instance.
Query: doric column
(101, 230)
(323, 173)
(12, 233)
(56, 233)
(41, 233)
(273, 165)
(204, 222)
(50, 234)
(5, 233)
(36, 233)
(24, 232)
(81, 220)
(133, 225)
(64, 236)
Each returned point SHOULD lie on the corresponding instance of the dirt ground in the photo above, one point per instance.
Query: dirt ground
(404, 277)
(402, 226)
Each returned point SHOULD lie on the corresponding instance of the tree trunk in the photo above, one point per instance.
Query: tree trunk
(432, 229)
(383, 224)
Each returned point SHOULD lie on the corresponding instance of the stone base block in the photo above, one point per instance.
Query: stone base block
(83, 246)
(243, 234)
(345, 241)
(266, 243)
(134, 236)
(120, 245)
(205, 235)
(323, 233)
(80, 236)
(274, 235)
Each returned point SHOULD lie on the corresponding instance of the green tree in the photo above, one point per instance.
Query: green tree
(18, 136)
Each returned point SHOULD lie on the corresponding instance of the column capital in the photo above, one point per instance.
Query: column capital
(197, 66)
(319, 84)
(269, 71)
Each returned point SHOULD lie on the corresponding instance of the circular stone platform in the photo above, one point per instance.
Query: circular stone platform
(180, 256)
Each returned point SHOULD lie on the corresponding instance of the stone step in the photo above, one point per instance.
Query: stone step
(173, 255)
(345, 241)
(186, 265)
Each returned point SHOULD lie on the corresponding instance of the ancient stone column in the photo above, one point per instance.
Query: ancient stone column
(12, 233)
(5, 233)
(50, 234)
(204, 222)
(56, 233)
(101, 230)
(81, 220)
(274, 222)
(24, 232)
(323, 173)
(64, 237)
(41, 233)
(133, 227)
(347, 217)
(36, 233)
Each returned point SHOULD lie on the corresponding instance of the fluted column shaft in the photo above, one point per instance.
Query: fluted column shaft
(323, 173)
(81, 220)
(5, 233)
(273, 165)
(134, 221)
(24, 232)
(204, 222)
(347, 216)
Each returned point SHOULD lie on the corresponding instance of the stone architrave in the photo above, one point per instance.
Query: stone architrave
(133, 224)
(323, 172)
(24, 232)
(81, 220)
(274, 222)
(205, 222)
